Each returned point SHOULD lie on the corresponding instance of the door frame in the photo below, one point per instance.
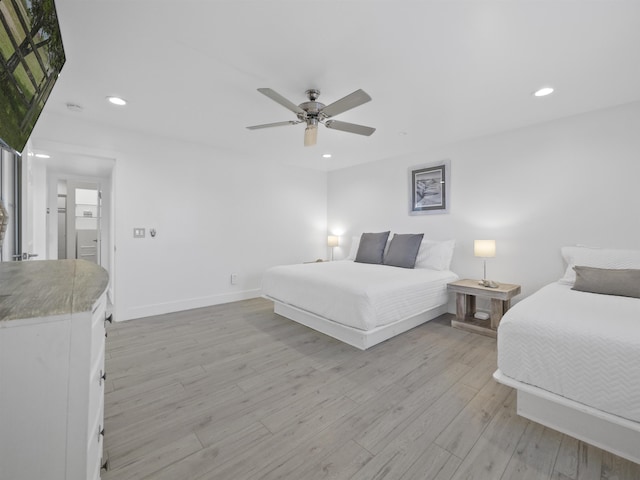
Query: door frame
(85, 164)
(71, 233)
(106, 241)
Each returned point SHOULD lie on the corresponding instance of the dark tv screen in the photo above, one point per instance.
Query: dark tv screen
(31, 58)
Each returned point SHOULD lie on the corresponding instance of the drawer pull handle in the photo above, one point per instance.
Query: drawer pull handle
(103, 377)
(100, 432)
(109, 318)
(105, 465)
(106, 334)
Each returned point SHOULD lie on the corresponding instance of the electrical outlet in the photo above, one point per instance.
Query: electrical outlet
(138, 233)
(234, 278)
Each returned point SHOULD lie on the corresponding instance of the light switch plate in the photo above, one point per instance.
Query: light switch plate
(138, 233)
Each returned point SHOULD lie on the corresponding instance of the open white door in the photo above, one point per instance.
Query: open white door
(34, 208)
(10, 197)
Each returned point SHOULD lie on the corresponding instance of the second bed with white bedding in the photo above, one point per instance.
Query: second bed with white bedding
(581, 346)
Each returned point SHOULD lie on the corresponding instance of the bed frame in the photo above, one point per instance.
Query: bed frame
(361, 339)
(603, 430)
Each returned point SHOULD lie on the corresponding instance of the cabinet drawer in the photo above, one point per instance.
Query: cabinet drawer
(94, 456)
(95, 443)
(96, 388)
(97, 340)
(95, 475)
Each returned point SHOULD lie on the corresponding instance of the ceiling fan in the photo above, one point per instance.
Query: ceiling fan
(313, 112)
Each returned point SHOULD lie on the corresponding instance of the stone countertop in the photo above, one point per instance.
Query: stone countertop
(42, 288)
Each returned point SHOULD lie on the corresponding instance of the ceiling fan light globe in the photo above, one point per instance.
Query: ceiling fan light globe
(310, 135)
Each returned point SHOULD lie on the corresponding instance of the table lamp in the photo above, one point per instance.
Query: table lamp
(485, 249)
(332, 241)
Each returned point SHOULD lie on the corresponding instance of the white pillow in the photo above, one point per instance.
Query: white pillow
(353, 251)
(597, 258)
(435, 255)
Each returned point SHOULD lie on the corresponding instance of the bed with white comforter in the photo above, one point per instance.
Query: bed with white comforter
(581, 346)
(358, 303)
(574, 358)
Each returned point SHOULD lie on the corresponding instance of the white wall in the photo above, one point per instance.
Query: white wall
(572, 181)
(215, 213)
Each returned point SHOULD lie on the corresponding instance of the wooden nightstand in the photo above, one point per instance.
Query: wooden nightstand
(466, 292)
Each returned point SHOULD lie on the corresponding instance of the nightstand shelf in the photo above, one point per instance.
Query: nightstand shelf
(466, 293)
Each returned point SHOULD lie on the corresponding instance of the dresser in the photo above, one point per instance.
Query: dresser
(52, 347)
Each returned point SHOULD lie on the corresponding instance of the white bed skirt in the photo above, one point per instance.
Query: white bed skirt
(361, 339)
(614, 434)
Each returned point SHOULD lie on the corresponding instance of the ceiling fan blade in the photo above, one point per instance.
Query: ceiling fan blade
(349, 127)
(352, 100)
(276, 97)
(276, 124)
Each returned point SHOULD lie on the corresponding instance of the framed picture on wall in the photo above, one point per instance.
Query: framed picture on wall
(429, 188)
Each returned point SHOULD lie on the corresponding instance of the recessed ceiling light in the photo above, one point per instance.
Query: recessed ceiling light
(117, 101)
(543, 92)
(403, 134)
(42, 155)
(326, 155)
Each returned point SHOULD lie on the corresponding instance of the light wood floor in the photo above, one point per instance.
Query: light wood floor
(236, 392)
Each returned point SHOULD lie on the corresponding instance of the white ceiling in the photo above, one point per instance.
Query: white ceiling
(438, 71)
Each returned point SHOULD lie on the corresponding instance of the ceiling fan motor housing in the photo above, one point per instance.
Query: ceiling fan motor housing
(312, 108)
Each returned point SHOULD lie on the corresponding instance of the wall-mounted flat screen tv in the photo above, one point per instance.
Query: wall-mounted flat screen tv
(31, 57)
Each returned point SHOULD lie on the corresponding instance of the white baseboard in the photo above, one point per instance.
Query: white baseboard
(178, 306)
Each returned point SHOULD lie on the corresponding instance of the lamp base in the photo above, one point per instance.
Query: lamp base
(488, 283)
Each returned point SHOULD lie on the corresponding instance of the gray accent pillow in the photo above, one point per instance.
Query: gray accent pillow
(403, 250)
(621, 282)
(371, 247)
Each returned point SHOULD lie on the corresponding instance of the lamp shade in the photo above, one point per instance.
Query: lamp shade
(332, 241)
(484, 248)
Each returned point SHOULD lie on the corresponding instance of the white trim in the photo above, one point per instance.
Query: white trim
(617, 435)
(361, 339)
(188, 304)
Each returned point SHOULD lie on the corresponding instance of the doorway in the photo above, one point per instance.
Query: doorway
(79, 220)
(78, 208)
(50, 218)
